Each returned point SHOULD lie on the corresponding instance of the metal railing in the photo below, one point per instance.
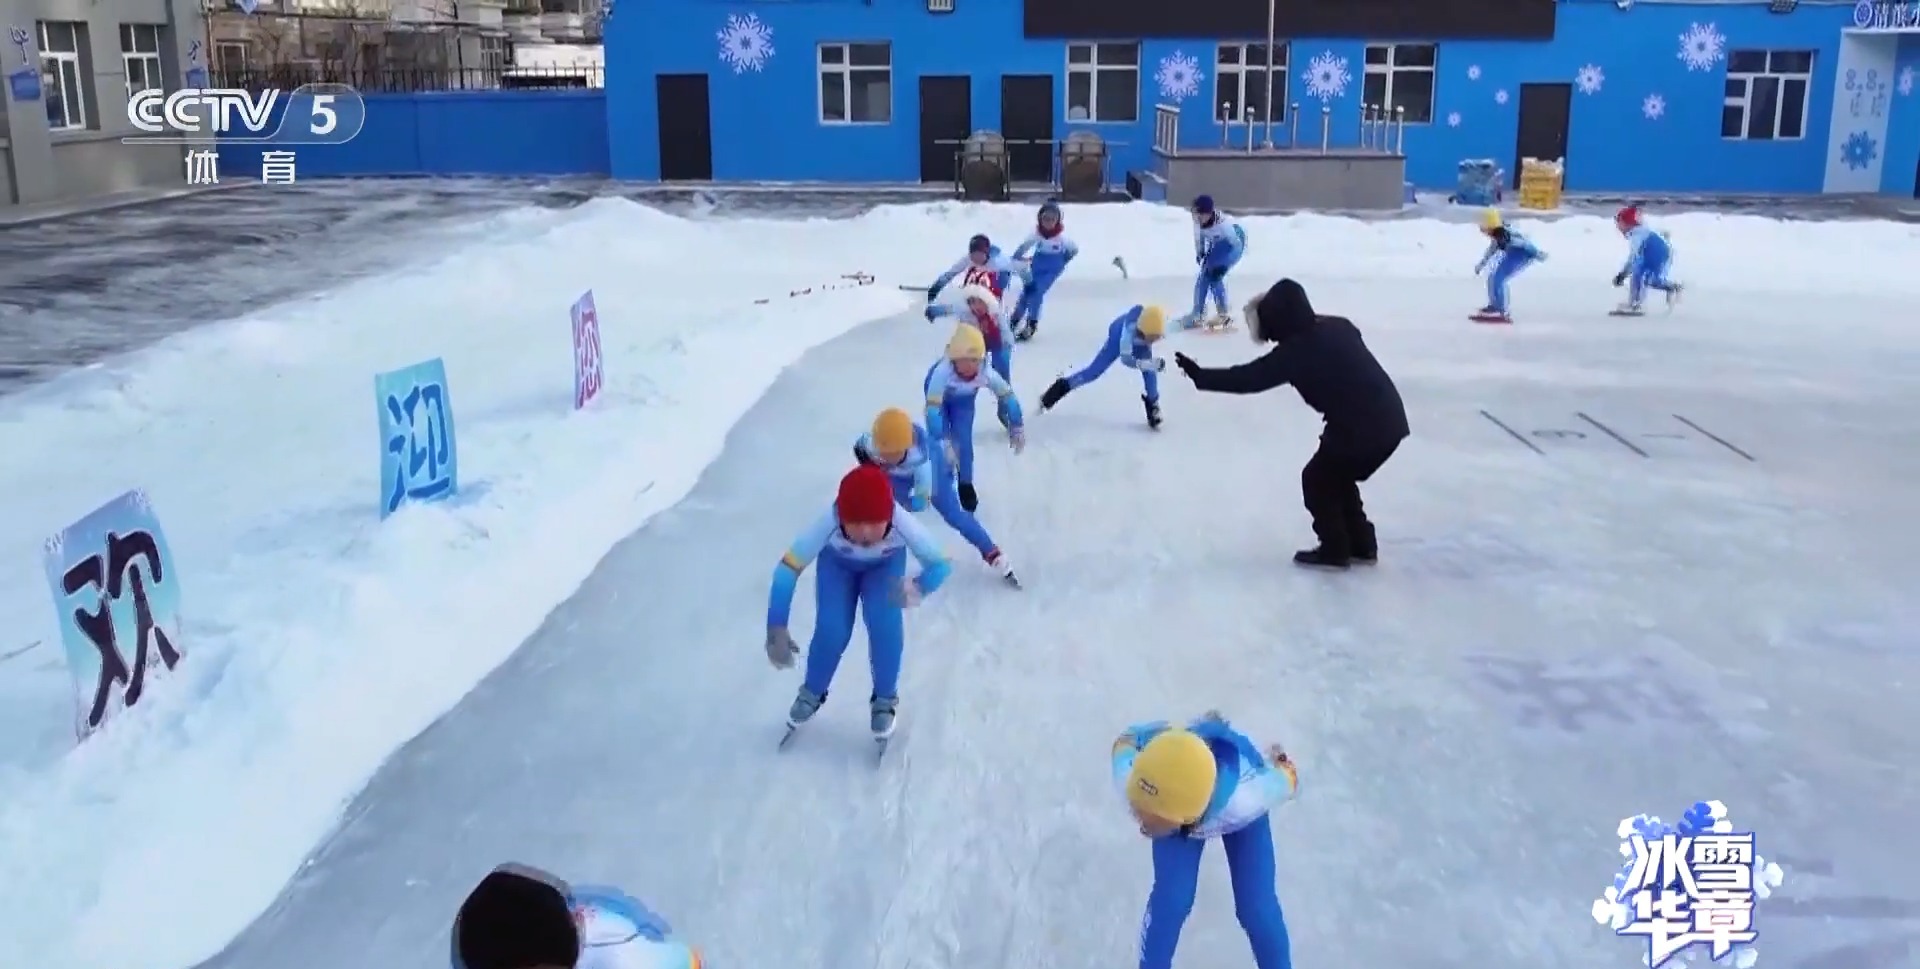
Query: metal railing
(1381, 130)
(380, 80)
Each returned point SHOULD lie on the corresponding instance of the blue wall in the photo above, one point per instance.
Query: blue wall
(766, 127)
(534, 132)
(1899, 176)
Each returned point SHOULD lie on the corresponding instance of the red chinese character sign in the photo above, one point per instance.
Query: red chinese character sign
(588, 372)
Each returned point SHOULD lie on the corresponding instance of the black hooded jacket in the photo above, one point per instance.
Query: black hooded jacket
(1325, 359)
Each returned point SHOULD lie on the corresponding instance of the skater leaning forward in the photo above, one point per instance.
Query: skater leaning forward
(862, 544)
(1325, 359)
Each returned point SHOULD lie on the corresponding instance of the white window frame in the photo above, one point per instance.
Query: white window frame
(1098, 70)
(1391, 72)
(835, 59)
(60, 71)
(495, 57)
(233, 55)
(140, 56)
(1743, 100)
(1241, 76)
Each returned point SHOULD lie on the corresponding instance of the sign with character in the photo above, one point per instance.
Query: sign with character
(588, 371)
(419, 457)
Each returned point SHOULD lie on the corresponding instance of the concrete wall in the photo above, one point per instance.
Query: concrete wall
(531, 132)
(46, 166)
(1289, 180)
(766, 125)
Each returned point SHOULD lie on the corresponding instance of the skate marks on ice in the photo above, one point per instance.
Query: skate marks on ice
(1466, 556)
(1891, 925)
(1604, 694)
(1673, 436)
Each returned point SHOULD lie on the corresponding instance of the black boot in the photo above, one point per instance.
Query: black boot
(1320, 557)
(968, 500)
(1056, 392)
(1153, 411)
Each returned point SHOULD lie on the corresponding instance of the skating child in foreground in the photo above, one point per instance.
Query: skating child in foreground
(1508, 252)
(862, 544)
(1649, 256)
(523, 918)
(981, 308)
(1049, 251)
(1185, 787)
(922, 475)
(1218, 244)
(952, 384)
(1130, 340)
(983, 265)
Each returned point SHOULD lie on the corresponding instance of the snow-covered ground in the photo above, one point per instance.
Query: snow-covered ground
(1769, 591)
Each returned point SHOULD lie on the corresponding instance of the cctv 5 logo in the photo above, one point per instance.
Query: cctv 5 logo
(315, 114)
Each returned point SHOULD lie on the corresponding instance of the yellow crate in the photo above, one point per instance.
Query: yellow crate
(1541, 183)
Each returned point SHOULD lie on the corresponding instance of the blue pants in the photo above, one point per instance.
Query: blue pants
(1032, 297)
(1652, 274)
(1204, 287)
(1509, 266)
(1092, 371)
(946, 501)
(957, 413)
(1256, 902)
(838, 588)
(1000, 358)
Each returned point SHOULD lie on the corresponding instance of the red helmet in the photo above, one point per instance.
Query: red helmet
(1627, 218)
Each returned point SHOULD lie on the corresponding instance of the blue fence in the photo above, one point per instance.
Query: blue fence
(537, 132)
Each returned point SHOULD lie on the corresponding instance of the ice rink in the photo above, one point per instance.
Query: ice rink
(1625, 565)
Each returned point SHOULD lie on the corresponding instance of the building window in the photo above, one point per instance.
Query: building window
(61, 79)
(493, 54)
(1103, 83)
(856, 83)
(1766, 94)
(231, 55)
(1245, 86)
(1401, 76)
(140, 54)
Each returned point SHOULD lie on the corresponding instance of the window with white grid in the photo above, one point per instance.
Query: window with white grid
(232, 55)
(63, 84)
(1401, 76)
(856, 83)
(1766, 95)
(1246, 86)
(1103, 82)
(140, 55)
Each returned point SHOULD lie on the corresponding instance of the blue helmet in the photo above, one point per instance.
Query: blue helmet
(1050, 207)
(1203, 204)
(980, 243)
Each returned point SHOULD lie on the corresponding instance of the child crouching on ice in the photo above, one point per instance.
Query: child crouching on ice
(1508, 252)
(1130, 340)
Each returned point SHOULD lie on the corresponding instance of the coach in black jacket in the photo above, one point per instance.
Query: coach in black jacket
(1325, 359)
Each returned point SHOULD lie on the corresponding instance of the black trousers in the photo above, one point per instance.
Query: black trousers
(1330, 488)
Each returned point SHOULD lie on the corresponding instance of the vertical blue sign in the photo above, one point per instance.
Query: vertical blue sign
(419, 460)
(116, 594)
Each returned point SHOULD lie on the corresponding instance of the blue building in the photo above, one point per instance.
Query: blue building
(1641, 97)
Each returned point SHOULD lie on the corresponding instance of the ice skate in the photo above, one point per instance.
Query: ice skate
(885, 711)
(1487, 314)
(1320, 557)
(805, 705)
(997, 560)
(1628, 309)
(969, 498)
(1153, 412)
(1673, 295)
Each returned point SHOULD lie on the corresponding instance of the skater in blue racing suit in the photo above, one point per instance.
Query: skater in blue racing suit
(1508, 252)
(952, 384)
(922, 475)
(523, 918)
(1218, 244)
(1130, 340)
(1649, 255)
(862, 544)
(1187, 786)
(1050, 251)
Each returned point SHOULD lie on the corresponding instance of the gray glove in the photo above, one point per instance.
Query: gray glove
(780, 648)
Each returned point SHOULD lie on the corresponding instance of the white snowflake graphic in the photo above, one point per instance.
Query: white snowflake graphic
(1905, 84)
(1590, 78)
(140, 500)
(1326, 76)
(1473, 72)
(1654, 107)
(1702, 46)
(56, 547)
(1500, 96)
(1453, 119)
(746, 44)
(1179, 76)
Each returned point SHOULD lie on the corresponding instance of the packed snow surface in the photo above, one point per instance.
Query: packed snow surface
(1762, 574)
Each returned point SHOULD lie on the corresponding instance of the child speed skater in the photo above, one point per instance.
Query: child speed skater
(1048, 251)
(922, 475)
(1508, 252)
(953, 383)
(1129, 342)
(1649, 257)
(1218, 244)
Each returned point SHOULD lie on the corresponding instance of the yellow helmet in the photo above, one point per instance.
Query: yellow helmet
(1490, 220)
(1152, 323)
(967, 343)
(892, 431)
(1172, 777)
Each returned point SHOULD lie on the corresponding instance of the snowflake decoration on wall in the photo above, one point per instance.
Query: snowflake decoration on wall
(1326, 76)
(1654, 107)
(1905, 83)
(746, 44)
(1473, 72)
(1590, 78)
(1702, 46)
(1453, 119)
(1859, 150)
(1500, 96)
(1178, 76)
(141, 502)
(55, 548)
(1615, 908)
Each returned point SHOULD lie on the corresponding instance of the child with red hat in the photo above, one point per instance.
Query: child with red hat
(1649, 255)
(862, 544)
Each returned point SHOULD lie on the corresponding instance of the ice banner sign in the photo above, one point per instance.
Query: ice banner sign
(1688, 889)
(419, 457)
(313, 114)
(588, 372)
(117, 598)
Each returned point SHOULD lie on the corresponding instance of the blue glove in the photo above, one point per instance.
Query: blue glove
(933, 293)
(929, 314)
